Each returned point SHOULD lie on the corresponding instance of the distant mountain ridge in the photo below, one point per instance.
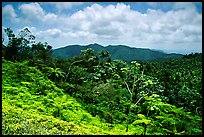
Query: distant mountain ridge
(122, 52)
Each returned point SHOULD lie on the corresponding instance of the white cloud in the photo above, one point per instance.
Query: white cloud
(102, 21)
(50, 18)
(9, 12)
(50, 33)
(153, 29)
(34, 12)
(119, 24)
(65, 5)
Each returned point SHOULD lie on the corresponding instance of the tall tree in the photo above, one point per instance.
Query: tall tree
(18, 48)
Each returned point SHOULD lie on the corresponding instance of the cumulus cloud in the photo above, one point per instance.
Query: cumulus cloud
(33, 12)
(9, 13)
(50, 33)
(102, 21)
(120, 20)
(119, 24)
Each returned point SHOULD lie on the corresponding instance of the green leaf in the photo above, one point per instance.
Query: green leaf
(145, 121)
(152, 108)
(141, 116)
(26, 83)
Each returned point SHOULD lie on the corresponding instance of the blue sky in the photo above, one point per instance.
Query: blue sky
(168, 26)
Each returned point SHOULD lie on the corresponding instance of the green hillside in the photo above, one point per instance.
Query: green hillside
(129, 54)
(74, 50)
(117, 52)
(32, 104)
(91, 94)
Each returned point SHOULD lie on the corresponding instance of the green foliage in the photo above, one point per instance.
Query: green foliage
(27, 110)
(90, 94)
(55, 74)
(168, 117)
(181, 79)
(142, 119)
(106, 90)
(32, 104)
(105, 55)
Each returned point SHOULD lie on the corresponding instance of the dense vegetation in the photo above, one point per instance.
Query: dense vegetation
(181, 79)
(118, 52)
(93, 94)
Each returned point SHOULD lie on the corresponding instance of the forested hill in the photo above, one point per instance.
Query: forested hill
(122, 52)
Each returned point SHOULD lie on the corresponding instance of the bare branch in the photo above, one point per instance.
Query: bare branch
(139, 99)
(70, 68)
(128, 87)
(140, 77)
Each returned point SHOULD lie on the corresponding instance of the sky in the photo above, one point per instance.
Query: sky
(173, 27)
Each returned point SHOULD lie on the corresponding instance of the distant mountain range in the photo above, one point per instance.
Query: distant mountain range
(122, 52)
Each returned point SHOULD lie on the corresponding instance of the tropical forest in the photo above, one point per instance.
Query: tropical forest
(94, 94)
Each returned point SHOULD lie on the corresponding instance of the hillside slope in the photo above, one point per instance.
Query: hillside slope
(32, 104)
(117, 52)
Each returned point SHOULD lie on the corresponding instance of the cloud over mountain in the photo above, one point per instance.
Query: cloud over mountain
(177, 30)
